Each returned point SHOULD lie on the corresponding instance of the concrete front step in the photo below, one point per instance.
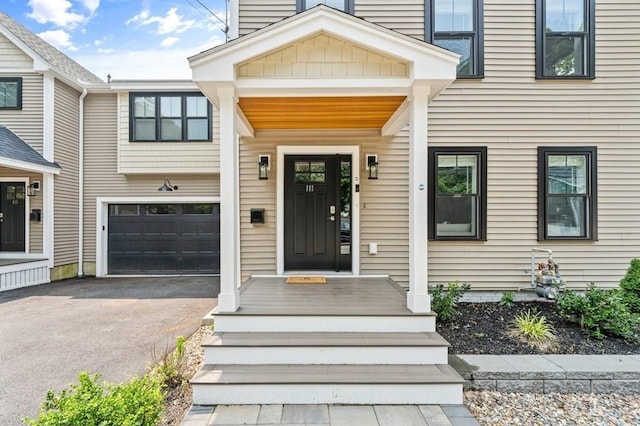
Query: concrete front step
(414, 323)
(327, 384)
(326, 348)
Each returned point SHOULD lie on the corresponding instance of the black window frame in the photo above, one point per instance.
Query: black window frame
(430, 35)
(18, 82)
(158, 119)
(589, 35)
(591, 222)
(481, 219)
(349, 6)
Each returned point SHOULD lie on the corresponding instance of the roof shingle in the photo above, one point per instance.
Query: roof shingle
(12, 147)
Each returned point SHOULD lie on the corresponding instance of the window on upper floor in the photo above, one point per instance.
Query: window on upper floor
(456, 25)
(567, 193)
(344, 5)
(169, 117)
(458, 195)
(10, 93)
(565, 39)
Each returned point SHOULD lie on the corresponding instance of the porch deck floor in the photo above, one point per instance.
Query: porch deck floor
(9, 262)
(339, 296)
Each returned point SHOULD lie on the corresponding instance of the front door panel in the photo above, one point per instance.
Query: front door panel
(12, 220)
(312, 213)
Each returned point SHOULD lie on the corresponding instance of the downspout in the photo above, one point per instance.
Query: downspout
(81, 184)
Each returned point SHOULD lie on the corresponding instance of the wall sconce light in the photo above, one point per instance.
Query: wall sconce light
(167, 186)
(31, 189)
(263, 166)
(372, 165)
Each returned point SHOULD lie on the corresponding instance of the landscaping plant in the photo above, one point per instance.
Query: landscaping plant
(600, 312)
(507, 299)
(90, 403)
(630, 286)
(534, 330)
(171, 368)
(444, 300)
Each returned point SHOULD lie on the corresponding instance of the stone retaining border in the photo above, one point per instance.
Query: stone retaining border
(550, 373)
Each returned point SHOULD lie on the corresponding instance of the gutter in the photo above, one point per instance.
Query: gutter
(81, 184)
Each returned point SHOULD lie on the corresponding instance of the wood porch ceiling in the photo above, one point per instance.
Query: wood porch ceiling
(353, 112)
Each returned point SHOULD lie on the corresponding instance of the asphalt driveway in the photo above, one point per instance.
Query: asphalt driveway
(49, 333)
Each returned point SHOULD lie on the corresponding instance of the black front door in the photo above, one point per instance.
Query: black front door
(12, 223)
(317, 212)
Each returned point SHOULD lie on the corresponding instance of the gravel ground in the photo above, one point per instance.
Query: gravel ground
(494, 408)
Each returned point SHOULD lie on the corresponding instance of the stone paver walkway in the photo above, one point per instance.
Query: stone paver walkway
(330, 415)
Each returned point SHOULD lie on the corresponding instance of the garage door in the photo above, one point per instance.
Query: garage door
(164, 239)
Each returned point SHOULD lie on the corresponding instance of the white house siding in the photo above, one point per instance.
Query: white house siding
(256, 14)
(512, 114)
(103, 180)
(12, 57)
(26, 122)
(66, 138)
(405, 16)
(35, 228)
(166, 157)
(383, 203)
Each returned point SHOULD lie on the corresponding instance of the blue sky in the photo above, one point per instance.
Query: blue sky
(129, 39)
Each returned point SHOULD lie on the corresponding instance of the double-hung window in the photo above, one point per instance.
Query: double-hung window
(457, 193)
(10, 93)
(169, 117)
(456, 25)
(565, 39)
(344, 5)
(567, 193)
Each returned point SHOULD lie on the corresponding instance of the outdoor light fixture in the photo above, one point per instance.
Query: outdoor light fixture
(372, 165)
(167, 187)
(31, 189)
(263, 167)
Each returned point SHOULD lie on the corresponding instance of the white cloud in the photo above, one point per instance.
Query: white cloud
(170, 23)
(59, 39)
(169, 41)
(57, 12)
(91, 5)
(143, 64)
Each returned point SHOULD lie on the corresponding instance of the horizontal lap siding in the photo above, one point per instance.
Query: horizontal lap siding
(256, 14)
(404, 16)
(27, 122)
(11, 56)
(384, 205)
(35, 202)
(102, 178)
(512, 114)
(66, 134)
(167, 157)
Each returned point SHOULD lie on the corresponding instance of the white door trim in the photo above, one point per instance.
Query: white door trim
(27, 232)
(352, 150)
(102, 220)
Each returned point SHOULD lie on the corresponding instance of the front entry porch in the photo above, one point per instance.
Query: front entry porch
(16, 273)
(350, 341)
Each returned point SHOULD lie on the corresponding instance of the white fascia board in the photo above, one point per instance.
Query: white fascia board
(218, 64)
(324, 87)
(153, 85)
(26, 166)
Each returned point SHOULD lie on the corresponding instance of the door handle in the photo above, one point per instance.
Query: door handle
(332, 218)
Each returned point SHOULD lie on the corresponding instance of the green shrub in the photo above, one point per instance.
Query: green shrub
(90, 403)
(630, 286)
(533, 329)
(171, 367)
(600, 312)
(444, 300)
(507, 299)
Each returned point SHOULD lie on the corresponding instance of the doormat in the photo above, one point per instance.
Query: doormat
(306, 280)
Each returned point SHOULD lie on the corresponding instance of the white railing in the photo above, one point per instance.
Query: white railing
(24, 274)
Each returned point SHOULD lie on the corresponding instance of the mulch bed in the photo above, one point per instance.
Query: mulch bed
(481, 328)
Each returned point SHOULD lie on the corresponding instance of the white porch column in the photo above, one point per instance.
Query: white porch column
(229, 298)
(418, 299)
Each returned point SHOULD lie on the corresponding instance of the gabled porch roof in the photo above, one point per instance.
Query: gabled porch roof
(18, 154)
